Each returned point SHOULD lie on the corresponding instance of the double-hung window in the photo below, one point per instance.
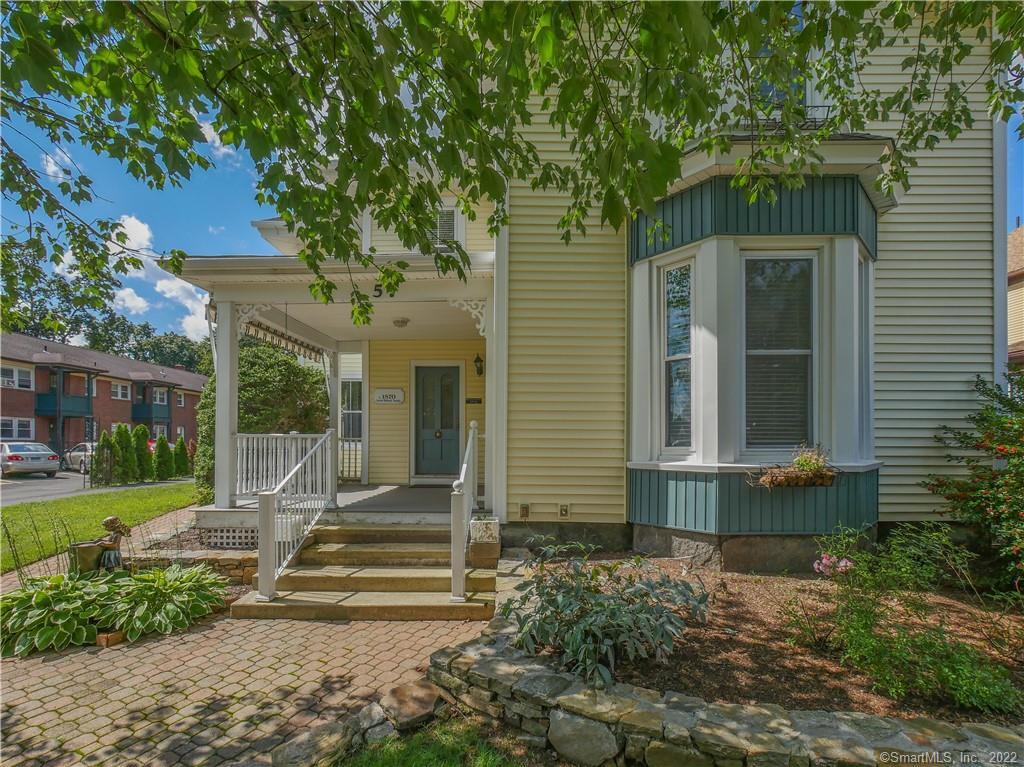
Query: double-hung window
(17, 428)
(180, 397)
(120, 391)
(676, 353)
(779, 390)
(16, 378)
(159, 396)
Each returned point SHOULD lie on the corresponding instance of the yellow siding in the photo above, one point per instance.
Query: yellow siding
(390, 367)
(478, 239)
(934, 300)
(1016, 313)
(566, 359)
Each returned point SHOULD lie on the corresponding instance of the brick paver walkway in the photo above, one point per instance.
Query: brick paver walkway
(225, 691)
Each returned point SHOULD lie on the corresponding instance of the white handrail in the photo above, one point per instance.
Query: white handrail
(288, 511)
(464, 491)
(263, 459)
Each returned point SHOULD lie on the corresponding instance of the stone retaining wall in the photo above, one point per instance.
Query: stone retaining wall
(238, 567)
(633, 725)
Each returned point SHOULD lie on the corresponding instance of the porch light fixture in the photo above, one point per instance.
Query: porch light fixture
(478, 363)
(401, 322)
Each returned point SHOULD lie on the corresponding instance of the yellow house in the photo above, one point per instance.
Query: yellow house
(630, 389)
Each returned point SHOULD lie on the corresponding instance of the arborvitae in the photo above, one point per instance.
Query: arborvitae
(126, 469)
(181, 467)
(103, 460)
(143, 458)
(164, 459)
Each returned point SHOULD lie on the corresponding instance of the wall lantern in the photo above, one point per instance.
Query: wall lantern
(478, 363)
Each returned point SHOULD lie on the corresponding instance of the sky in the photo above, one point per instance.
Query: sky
(212, 214)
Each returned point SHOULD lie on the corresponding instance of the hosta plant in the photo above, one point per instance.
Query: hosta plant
(54, 612)
(163, 600)
(594, 614)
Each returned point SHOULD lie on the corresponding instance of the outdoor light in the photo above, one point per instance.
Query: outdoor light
(478, 363)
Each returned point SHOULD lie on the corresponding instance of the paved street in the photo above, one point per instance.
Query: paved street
(38, 487)
(224, 691)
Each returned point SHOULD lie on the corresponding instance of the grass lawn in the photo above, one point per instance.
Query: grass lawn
(32, 525)
(457, 742)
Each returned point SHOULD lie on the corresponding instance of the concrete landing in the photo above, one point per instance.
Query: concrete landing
(365, 606)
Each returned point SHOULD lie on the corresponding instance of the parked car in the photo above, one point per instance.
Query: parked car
(28, 458)
(80, 457)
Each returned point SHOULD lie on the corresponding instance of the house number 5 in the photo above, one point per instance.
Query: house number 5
(378, 290)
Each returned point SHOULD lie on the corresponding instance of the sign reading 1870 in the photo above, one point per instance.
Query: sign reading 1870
(389, 396)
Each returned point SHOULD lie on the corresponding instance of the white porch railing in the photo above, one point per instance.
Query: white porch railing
(463, 503)
(291, 508)
(264, 459)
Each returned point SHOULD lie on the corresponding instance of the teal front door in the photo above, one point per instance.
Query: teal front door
(437, 421)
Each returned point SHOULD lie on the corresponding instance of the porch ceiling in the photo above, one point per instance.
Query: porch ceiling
(426, 319)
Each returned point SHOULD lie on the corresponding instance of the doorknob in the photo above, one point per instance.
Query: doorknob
(437, 434)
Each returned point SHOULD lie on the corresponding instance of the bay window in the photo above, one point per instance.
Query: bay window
(677, 350)
(779, 354)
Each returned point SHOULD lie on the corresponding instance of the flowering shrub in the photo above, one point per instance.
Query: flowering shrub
(811, 459)
(830, 566)
(991, 494)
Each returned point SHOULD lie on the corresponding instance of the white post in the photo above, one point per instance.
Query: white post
(227, 405)
(364, 442)
(458, 543)
(333, 449)
(845, 421)
(267, 565)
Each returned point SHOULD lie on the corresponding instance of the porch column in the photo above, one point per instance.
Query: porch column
(227, 405)
(364, 406)
(334, 396)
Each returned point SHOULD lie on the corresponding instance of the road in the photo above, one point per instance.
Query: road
(38, 487)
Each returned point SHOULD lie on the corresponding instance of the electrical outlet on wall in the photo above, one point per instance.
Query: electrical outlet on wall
(524, 510)
(563, 510)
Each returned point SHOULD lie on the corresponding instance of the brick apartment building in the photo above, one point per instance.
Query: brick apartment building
(62, 395)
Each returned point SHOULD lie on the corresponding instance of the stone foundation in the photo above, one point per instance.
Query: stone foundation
(731, 553)
(610, 537)
(238, 567)
(634, 725)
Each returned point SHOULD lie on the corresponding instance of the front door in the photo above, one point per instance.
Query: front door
(437, 421)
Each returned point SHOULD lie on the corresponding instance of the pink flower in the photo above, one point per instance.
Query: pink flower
(830, 566)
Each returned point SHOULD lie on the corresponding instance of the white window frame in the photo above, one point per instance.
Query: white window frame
(117, 388)
(813, 255)
(15, 423)
(159, 395)
(92, 386)
(158, 429)
(179, 431)
(662, 358)
(866, 355)
(113, 426)
(179, 398)
(15, 382)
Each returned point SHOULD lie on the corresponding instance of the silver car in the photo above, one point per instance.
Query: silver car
(80, 457)
(28, 458)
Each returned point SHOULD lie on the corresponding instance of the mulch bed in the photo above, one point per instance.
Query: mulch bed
(190, 539)
(743, 654)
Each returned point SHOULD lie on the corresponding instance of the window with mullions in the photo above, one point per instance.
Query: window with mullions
(778, 295)
(677, 348)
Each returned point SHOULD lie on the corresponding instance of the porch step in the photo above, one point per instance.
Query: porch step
(365, 605)
(387, 517)
(420, 554)
(341, 578)
(397, 533)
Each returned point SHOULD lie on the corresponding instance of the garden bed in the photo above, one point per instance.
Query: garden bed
(743, 654)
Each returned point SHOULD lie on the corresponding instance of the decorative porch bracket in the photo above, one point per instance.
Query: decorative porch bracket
(477, 309)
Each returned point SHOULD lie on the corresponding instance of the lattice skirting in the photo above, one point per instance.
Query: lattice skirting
(231, 537)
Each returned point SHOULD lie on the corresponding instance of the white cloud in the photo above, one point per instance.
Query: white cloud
(68, 265)
(194, 300)
(127, 300)
(215, 229)
(217, 149)
(78, 339)
(138, 235)
(56, 165)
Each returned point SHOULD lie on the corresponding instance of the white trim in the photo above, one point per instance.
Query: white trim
(16, 370)
(434, 479)
(179, 399)
(117, 386)
(367, 231)
(225, 447)
(735, 468)
(364, 467)
(746, 254)
(334, 410)
(1000, 288)
(14, 428)
(496, 476)
(162, 391)
(662, 358)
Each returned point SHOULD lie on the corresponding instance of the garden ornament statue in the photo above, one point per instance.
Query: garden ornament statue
(110, 559)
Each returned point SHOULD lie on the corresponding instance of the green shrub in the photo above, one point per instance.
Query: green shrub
(126, 470)
(52, 612)
(991, 495)
(104, 460)
(276, 394)
(875, 593)
(164, 459)
(163, 600)
(143, 457)
(62, 610)
(596, 613)
(181, 464)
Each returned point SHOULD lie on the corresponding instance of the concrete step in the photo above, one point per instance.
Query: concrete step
(342, 517)
(385, 554)
(365, 605)
(380, 579)
(366, 533)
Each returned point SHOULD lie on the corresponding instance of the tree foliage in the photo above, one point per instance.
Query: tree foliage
(181, 462)
(143, 457)
(276, 394)
(389, 105)
(164, 459)
(106, 457)
(126, 469)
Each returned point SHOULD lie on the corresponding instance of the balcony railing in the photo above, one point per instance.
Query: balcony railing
(72, 405)
(150, 411)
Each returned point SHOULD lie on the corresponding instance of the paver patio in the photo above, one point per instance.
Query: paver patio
(225, 691)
